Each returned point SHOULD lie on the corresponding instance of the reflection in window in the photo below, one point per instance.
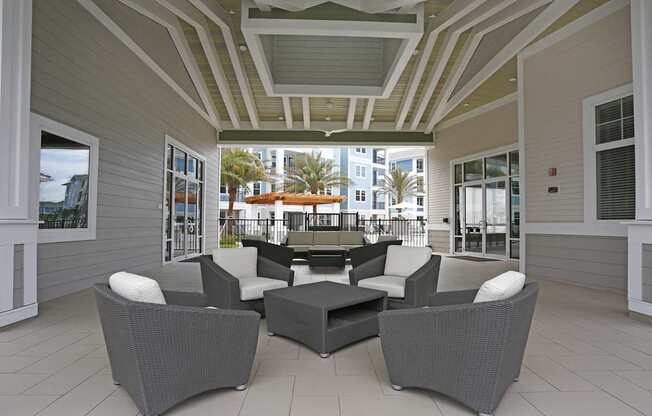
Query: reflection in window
(64, 186)
(473, 170)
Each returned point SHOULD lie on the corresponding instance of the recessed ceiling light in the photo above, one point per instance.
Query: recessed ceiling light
(466, 104)
(512, 79)
(372, 118)
(243, 48)
(328, 118)
(432, 16)
(329, 105)
(231, 11)
(416, 52)
(280, 118)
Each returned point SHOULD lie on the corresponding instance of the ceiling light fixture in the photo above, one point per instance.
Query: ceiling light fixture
(512, 79)
(280, 118)
(243, 48)
(416, 52)
(432, 16)
(231, 11)
(328, 118)
(466, 104)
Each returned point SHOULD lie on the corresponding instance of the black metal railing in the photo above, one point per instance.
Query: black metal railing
(63, 224)
(413, 232)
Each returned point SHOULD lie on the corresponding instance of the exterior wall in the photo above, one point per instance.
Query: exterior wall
(490, 130)
(406, 160)
(439, 240)
(84, 77)
(592, 261)
(363, 184)
(647, 272)
(556, 81)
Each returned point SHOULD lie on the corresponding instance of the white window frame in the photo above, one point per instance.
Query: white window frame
(590, 150)
(360, 195)
(360, 171)
(38, 124)
(361, 150)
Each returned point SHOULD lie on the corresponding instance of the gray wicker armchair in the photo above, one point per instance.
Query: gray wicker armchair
(471, 352)
(417, 287)
(224, 290)
(164, 354)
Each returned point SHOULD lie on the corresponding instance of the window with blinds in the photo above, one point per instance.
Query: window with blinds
(615, 160)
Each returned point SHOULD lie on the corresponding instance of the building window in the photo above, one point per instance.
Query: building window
(360, 171)
(68, 171)
(257, 187)
(360, 195)
(361, 150)
(329, 190)
(420, 165)
(419, 201)
(612, 159)
(420, 187)
(183, 208)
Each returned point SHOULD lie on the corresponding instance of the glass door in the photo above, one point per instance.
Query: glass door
(473, 221)
(495, 228)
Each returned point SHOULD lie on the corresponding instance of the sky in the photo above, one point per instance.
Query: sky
(61, 165)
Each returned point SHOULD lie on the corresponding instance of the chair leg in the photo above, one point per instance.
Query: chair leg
(270, 333)
(242, 387)
(397, 387)
(115, 383)
(516, 380)
(485, 414)
(324, 354)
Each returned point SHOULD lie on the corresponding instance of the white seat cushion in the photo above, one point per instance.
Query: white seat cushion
(393, 285)
(240, 262)
(501, 287)
(253, 287)
(136, 288)
(404, 261)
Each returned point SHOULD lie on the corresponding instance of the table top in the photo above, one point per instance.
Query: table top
(327, 295)
(327, 250)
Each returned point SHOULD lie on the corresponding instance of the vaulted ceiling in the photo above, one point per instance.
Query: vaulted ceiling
(461, 56)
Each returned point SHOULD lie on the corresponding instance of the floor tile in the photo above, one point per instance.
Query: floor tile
(54, 344)
(10, 348)
(579, 362)
(270, 396)
(530, 382)
(117, 404)
(315, 406)
(59, 360)
(14, 363)
(627, 353)
(226, 402)
(579, 403)
(622, 389)
(306, 385)
(388, 406)
(83, 398)
(18, 383)
(353, 364)
(24, 405)
(315, 368)
(640, 378)
(68, 378)
(557, 375)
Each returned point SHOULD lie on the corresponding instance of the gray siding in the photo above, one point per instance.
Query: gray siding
(439, 240)
(84, 77)
(599, 262)
(647, 272)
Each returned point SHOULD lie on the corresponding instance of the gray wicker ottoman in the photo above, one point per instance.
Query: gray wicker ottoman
(324, 316)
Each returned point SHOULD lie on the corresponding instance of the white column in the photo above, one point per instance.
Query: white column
(18, 157)
(640, 231)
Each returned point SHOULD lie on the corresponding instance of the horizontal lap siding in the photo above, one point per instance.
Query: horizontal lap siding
(647, 272)
(599, 262)
(439, 240)
(85, 78)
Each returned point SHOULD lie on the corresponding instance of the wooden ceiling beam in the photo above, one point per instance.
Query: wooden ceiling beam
(369, 112)
(222, 19)
(118, 32)
(287, 110)
(350, 118)
(196, 19)
(454, 12)
(305, 103)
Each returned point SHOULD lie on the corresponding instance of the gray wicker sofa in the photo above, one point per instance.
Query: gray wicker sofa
(471, 352)
(163, 354)
(304, 241)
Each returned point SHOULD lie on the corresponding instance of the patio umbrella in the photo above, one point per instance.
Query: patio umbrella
(403, 205)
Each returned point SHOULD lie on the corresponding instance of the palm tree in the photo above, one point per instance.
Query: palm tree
(313, 174)
(399, 185)
(239, 167)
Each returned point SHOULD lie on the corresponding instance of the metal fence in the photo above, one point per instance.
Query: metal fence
(413, 232)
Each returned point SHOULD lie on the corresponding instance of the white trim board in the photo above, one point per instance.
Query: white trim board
(508, 99)
(18, 314)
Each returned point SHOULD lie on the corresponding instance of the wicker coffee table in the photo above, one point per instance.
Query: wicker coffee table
(327, 257)
(324, 316)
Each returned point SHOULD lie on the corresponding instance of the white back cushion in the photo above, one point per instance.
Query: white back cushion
(136, 288)
(240, 262)
(501, 287)
(404, 261)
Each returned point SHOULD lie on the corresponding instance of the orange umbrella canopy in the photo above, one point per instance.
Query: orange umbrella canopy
(289, 198)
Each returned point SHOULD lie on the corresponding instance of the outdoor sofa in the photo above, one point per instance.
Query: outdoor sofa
(409, 275)
(304, 241)
(236, 278)
(165, 347)
(469, 351)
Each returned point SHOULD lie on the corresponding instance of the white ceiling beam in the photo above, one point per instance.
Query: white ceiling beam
(507, 15)
(350, 119)
(214, 11)
(368, 6)
(264, 7)
(118, 32)
(305, 102)
(369, 112)
(192, 16)
(454, 12)
(379, 6)
(553, 12)
(287, 109)
(476, 16)
(152, 10)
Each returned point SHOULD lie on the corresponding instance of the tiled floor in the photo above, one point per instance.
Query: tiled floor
(585, 357)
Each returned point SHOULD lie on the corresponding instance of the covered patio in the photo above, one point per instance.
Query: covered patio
(536, 120)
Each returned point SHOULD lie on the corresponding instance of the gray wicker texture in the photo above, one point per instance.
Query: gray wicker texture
(418, 287)
(274, 252)
(324, 316)
(164, 354)
(222, 289)
(471, 352)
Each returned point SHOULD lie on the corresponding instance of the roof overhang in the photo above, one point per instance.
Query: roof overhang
(312, 138)
(323, 51)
